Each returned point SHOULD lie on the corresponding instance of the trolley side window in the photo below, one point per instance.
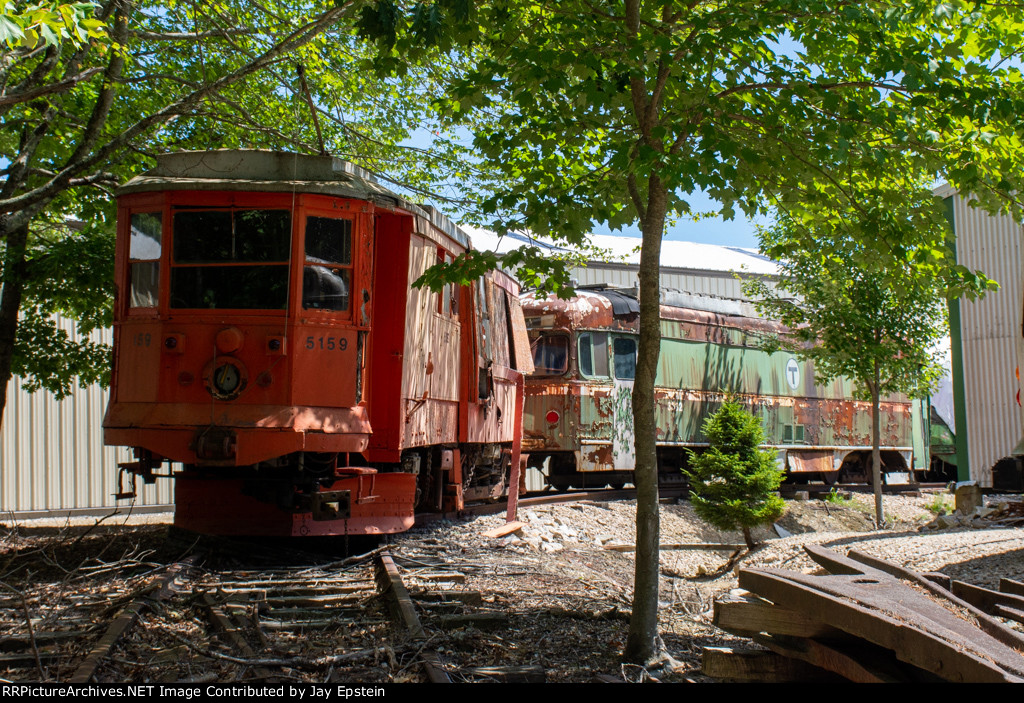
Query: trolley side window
(550, 355)
(624, 349)
(593, 358)
(327, 274)
(144, 258)
(448, 302)
(233, 259)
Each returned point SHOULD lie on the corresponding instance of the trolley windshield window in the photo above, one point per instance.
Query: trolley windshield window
(327, 275)
(144, 259)
(550, 355)
(235, 259)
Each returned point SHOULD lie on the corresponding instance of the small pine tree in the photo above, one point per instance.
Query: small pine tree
(733, 483)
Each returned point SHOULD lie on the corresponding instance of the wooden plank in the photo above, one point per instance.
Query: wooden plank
(481, 621)
(833, 562)
(294, 613)
(746, 615)
(530, 673)
(1009, 613)
(325, 600)
(985, 598)
(924, 633)
(680, 547)
(29, 659)
(1011, 586)
(761, 665)
(450, 576)
(989, 625)
(506, 529)
(859, 665)
(282, 587)
(463, 597)
(17, 643)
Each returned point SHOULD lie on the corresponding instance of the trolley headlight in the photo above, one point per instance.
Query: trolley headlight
(225, 380)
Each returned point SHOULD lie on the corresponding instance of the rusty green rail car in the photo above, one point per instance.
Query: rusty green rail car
(578, 421)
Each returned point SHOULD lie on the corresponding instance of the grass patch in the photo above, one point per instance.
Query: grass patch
(837, 498)
(941, 504)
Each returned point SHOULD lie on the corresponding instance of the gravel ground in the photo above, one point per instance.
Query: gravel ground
(568, 594)
(557, 593)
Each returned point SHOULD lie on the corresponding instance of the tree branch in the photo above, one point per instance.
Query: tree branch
(13, 98)
(28, 204)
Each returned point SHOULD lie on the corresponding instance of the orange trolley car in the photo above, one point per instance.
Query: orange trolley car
(268, 339)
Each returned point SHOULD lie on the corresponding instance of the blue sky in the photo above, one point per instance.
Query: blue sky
(738, 232)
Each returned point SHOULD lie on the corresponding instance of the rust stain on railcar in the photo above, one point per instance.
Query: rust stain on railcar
(542, 399)
(599, 458)
(846, 422)
(585, 311)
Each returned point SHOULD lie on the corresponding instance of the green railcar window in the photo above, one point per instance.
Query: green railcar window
(593, 354)
(625, 358)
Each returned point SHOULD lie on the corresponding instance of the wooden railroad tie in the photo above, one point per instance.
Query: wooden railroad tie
(867, 620)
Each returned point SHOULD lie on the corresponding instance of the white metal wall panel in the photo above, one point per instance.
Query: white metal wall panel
(722, 285)
(52, 455)
(989, 330)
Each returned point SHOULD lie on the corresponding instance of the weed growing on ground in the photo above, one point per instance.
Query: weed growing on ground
(940, 505)
(837, 498)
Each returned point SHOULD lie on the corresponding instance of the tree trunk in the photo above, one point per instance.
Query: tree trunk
(876, 453)
(642, 643)
(16, 242)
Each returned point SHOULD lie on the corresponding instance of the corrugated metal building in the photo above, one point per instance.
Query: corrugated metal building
(985, 334)
(52, 456)
(691, 267)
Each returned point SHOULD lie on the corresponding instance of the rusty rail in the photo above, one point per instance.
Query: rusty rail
(571, 496)
(161, 590)
(390, 583)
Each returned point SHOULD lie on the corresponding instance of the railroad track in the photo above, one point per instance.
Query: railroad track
(248, 612)
(152, 615)
(818, 489)
(549, 497)
(191, 621)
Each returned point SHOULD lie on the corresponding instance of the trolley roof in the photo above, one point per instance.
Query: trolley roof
(278, 172)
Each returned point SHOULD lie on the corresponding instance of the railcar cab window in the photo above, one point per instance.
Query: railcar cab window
(593, 358)
(230, 259)
(144, 259)
(624, 351)
(327, 275)
(550, 355)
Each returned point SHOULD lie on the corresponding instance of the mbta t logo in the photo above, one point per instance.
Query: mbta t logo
(792, 373)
